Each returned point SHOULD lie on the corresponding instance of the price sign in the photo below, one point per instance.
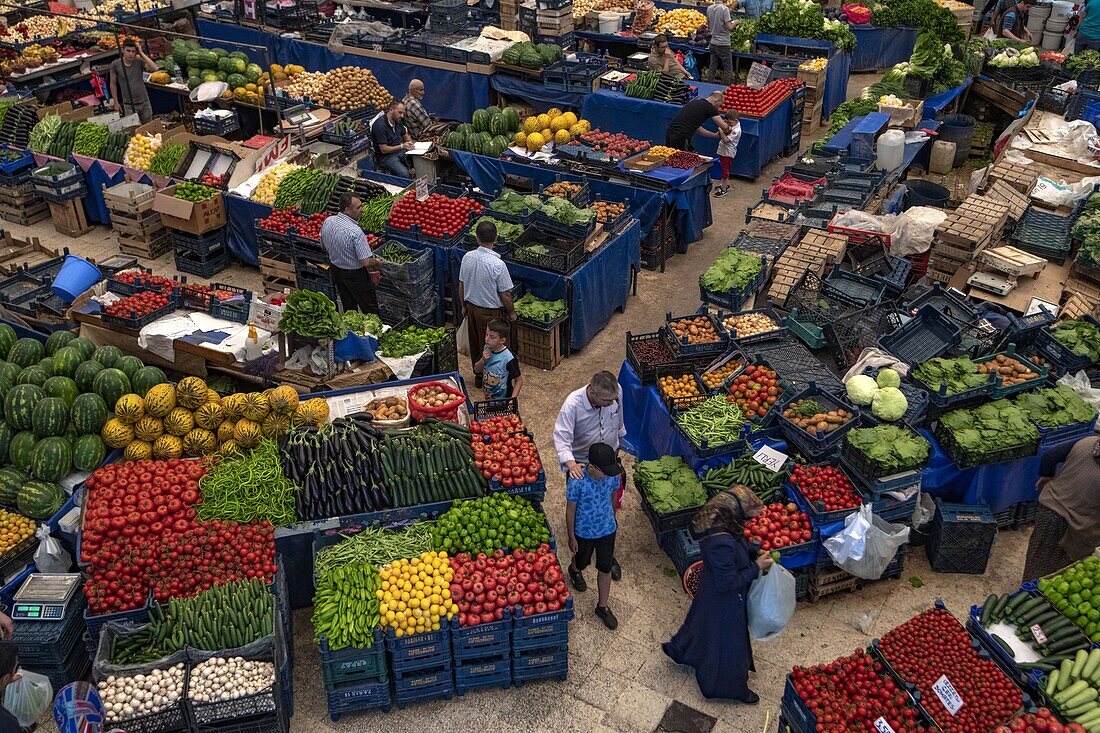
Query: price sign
(758, 76)
(947, 694)
(882, 726)
(769, 457)
(1037, 632)
(421, 188)
(277, 150)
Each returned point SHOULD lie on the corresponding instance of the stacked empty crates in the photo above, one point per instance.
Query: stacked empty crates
(814, 100)
(276, 255)
(960, 538)
(554, 22)
(482, 654)
(660, 243)
(407, 289)
(203, 254)
(54, 649)
(139, 229)
(794, 131)
(62, 185)
(19, 202)
(311, 269)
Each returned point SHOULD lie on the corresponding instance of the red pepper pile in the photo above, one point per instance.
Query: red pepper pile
(932, 645)
(500, 425)
(209, 179)
(849, 694)
(682, 159)
(1041, 721)
(147, 281)
(779, 525)
(826, 486)
(757, 102)
(483, 586)
(511, 458)
(138, 304)
(282, 220)
(438, 216)
(141, 532)
(616, 145)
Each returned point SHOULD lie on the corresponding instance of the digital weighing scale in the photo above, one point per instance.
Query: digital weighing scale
(44, 597)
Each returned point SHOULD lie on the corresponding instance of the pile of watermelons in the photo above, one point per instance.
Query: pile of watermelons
(490, 133)
(191, 61)
(532, 55)
(56, 397)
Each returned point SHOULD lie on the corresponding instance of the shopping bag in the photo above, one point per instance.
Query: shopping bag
(28, 697)
(50, 557)
(771, 602)
(462, 338)
(866, 545)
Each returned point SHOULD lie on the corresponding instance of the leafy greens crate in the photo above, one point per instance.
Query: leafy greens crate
(562, 254)
(967, 459)
(1063, 356)
(736, 297)
(665, 523)
(940, 398)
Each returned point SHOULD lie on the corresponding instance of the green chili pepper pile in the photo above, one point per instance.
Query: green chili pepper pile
(376, 546)
(245, 487)
(714, 420)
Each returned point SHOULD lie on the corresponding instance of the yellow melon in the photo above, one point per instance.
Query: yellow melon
(544, 121)
(561, 137)
(531, 124)
(571, 118)
(535, 141)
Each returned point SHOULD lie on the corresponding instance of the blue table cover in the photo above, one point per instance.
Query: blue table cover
(450, 94)
(691, 200)
(645, 119)
(880, 48)
(937, 103)
(534, 93)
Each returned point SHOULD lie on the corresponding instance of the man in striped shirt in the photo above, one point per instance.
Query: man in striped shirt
(354, 268)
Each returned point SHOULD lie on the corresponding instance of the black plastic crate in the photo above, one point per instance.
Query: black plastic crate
(800, 366)
(134, 322)
(960, 538)
(563, 256)
(928, 334)
(50, 643)
(218, 126)
(964, 459)
(734, 299)
(950, 303)
(1065, 359)
(200, 244)
(647, 372)
(856, 290)
(847, 336)
(237, 309)
(203, 266)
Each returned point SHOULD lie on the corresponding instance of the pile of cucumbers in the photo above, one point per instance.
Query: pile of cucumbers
(1074, 689)
(114, 147)
(296, 185)
(316, 198)
(1062, 639)
(643, 85)
(61, 144)
(764, 482)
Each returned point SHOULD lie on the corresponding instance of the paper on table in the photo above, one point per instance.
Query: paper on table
(420, 148)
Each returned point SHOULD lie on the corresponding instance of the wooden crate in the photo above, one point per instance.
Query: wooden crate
(814, 80)
(542, 349)
(1012, 261)
(827, 583)
(25, 214)
(16, 253)
(1005, 192)
(146, 225)
(19, 195)
(1078, 305)
(815, 252)
(146, 249)
(69, 219)
(1020, 177)
(974, 224)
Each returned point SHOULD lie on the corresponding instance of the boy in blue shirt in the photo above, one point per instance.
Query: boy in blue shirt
(590, 518)
(497, 366)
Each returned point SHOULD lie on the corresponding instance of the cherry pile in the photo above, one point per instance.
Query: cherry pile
(616, 145)
(826, 487)
(438, 216)
(849, 694)
(682, 159)
(283, 221)
(757, 102)
(137, 305)
(934, 644)
(779, 525)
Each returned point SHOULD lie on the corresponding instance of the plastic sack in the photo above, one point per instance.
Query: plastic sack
(866, 545)
(925, 511)
(771, 603)
(690, 65)
(857, 14)
(1080, 384)
(354, 347)
(50, 557)
(915, 227)
(28, 697)
(462, 338)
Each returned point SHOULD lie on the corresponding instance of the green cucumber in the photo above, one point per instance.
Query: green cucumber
(1079, 660)
(1067, 696)
(987, 609)
(1063, 676)
(1052, 683)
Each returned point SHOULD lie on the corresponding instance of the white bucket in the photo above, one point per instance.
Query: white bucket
(611, 22)
(1052, 41)
(1061, 10)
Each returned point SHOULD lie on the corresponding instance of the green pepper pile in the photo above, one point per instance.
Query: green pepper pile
(194, 192)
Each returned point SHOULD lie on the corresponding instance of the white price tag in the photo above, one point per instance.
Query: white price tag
(758, 76)
(421, 188)
(947, 694)
(1037, 632)
(770, 458)
(882, 726)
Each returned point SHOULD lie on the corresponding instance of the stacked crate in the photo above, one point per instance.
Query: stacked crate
(1021, 177)
(204, 254)
(64, 191)
(540, 645)
(139, 229)
(276, 262)
(356, 679)
(660, 243)
(55, 648)
(311, 268)
(422, 666)
(482, 654)
(960, 538)
(962, 236)
(554, 21)
(1017, 200)
(817, 250)
(19, 202)
(794, 132)
(814, 103)
(509, 15)
(541, 345)
(407, 290)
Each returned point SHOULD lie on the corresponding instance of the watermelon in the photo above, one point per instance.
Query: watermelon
(512, 115)
(88, 414)
(32, 375)
(473, 144)
(481, 120)
(498, 125)
(52, 459)
(219, 53)
(86, 347)
(58, 339)
(70, 435)
(19, 404)
(236, 81)
(40, 499)
(107, 355)
(7, 432)
(8, 338)
(5, 385)
(50, 417)
(129, 365)
(85, 374)
(62, 387)
(11, 480)
(21, 448)
(66, 361)
(46, 365)
(88, 453)
(27, 351)
(239, 55)
(110, 384)
(466, 129)
(454, 140)
(146, 378)
(9, 371)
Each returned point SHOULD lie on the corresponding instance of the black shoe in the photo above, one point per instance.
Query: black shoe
(479, 381)
(720, 192)
(751, 698)
(616, 571)
(607, 617)
(577, 580)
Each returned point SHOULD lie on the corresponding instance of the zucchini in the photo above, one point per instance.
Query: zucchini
(1067, 696)
(1079, 663)
(1083, 702)
(999, 608)
(1004, 646)
(1063, 677)
(1052, 683)
(1063, 645)
(987, 609)
(1028, 607)
(1016, 598)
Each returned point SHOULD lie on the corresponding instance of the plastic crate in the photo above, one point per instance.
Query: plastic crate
(855, 290)
(949, 302)
(928, 334)
(524, 217)
(1026, 512)
(733, 299)
(1065, 359)
(529, 665)
(847, 336)
(482, 640)
(944, 401)
(425, 684)
(647, 372)
(960, 538)
(216, 126)
(745, 341)
(1078, 103)
(1049, 437)
(800, 365)
(483, 672)
(135, 322)
(237, 309)
(680, 347)
(541, 630)
(869, 473)
(999, 391)
(963, 459)
(822, 444)
(421, 269)
(419, 651)
(816, 510)
(565, 253)
(358, 697)
(354, 665)
(50, 643)
(205, 267)
(681, 548)
(706, 449)
(200, 244)
(810, 308)
(572, 232)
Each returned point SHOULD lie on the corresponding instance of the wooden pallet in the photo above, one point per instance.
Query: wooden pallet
(1005, 192)
(148, 250)
(25, 215)
(69, 218)
(1020, 177)
(16, 253)
(1012, 261)
(816, 251)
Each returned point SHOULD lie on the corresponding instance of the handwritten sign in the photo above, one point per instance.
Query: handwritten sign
(276, 151)
(947, 694)
(770, 458)
(1037, 632)
(882, 726)
(421, 188)
(758, 76)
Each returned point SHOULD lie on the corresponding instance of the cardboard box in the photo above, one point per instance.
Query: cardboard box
(187, 216)
(266, 315)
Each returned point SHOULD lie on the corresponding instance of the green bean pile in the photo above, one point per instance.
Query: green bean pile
(714, 420)
(241, 488)
(394, 253)
(376, 546)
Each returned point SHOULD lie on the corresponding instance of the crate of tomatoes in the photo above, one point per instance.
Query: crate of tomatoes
(136, 311)
(757, 390)
(825, 491)
(508, 459)
(787, 530)
(757, 102)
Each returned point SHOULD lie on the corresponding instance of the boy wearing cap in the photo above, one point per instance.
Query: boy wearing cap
(590, 518)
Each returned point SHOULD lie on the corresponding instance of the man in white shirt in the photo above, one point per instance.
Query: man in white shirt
(591, 414)
(485, 289)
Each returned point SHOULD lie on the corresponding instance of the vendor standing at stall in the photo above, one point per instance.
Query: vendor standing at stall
(1010, 20)
(689, 121)
(661, 58)
(392, 141)
(720, 24)
(417, 119)
(355, 269)
(128, 83)
(485, 289)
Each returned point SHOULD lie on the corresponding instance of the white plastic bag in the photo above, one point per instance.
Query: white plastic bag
(28, 697)
(771, 603)
(50, 557)
(1080, 384)
(867, 544)
(462, 338)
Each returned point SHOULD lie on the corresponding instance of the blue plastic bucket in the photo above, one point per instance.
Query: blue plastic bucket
(76, 276)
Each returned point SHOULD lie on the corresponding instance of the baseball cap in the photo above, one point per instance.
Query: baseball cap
(602, 456)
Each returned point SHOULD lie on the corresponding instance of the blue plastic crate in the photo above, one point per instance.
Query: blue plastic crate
(802, 555)
(419, 651)
(542, 629)
(816, 447)
(137, 616)
(1023, 330)
(871, 481)
(681, 548)
(681, 348)
(10, 167)
(482, 640)
(818, 515)
(426, 684)
(540, 663)
(930, 333)
(1049, 437)
(353, 665)
(733, 299)
(895, 510)
(482, 672)
(358, 697)
(779, 332)
(1065, 360)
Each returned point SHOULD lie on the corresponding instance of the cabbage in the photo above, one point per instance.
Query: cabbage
(861, 389)
(888, 378)
(889, 404)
